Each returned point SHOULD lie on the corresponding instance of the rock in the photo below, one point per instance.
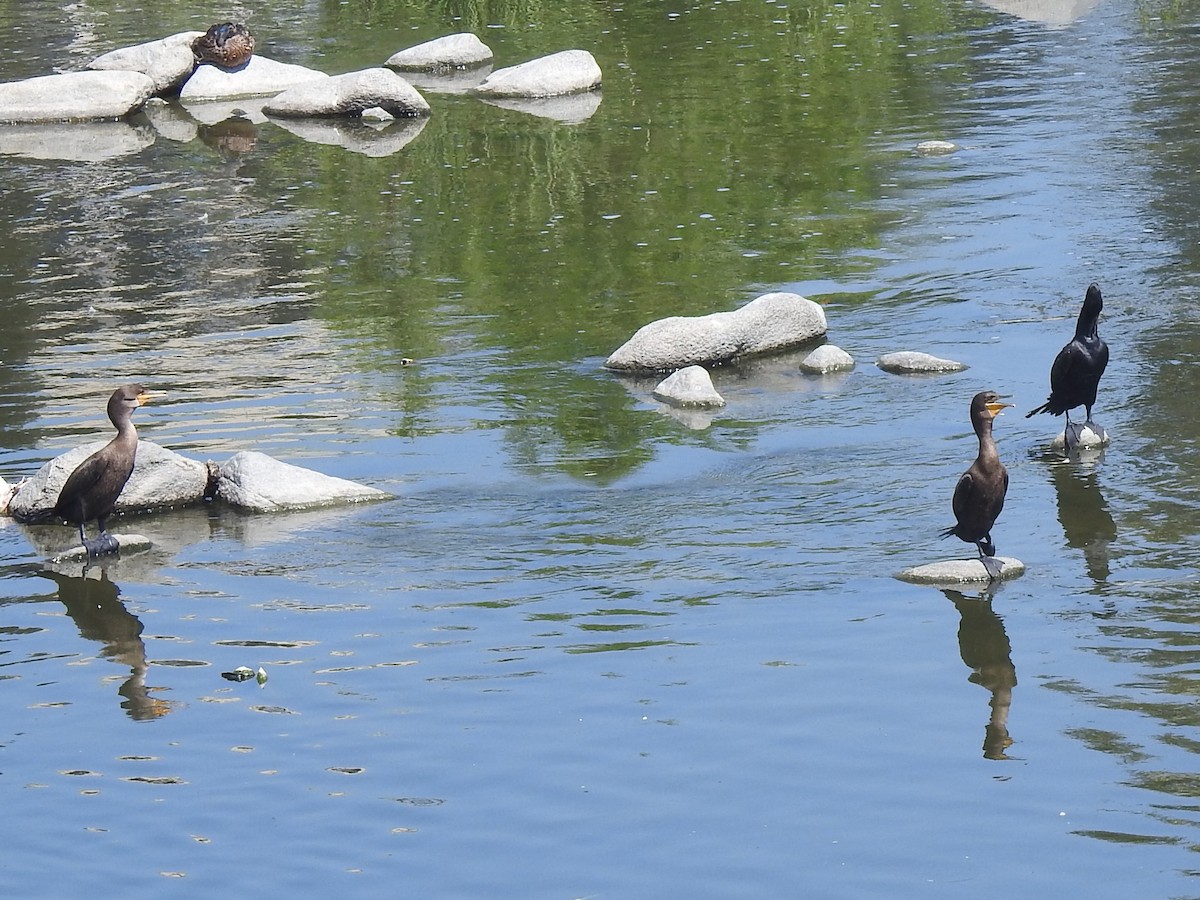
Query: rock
(936, 148)
(910, 362)
(1084, 437)
(161, 479)
(568, 72)
(827, 358)
(168, 62)
(767, 324)
(454, 51)
(960, 571)
(356, 135)
(75, 141)
(257, 482)
(258, 78)
(6, 492)
(348, 95)
(74, 96)
(689, 386)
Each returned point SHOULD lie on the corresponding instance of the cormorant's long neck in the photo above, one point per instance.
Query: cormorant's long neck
(987, 443)
(1087, 328)
(126, 433)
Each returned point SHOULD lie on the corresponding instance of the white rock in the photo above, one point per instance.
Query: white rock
(348, 95)
(568, 72)
(255, 481)
(161, 479)
(961, 571)
(6, 492)
(258, 78)
(909, 362)
(767, 324)
(125, 542)
(827, 358)
(689, 386)
(1085, 437)
(454, 51)
(168, 61)
(74, 96)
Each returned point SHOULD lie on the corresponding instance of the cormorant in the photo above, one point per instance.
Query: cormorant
(91, 491)
(979, 494)
(227, 44)
(1076, 372)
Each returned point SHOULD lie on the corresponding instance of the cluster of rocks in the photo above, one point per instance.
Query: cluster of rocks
(687, 346)
(124, 81)
(163, 479)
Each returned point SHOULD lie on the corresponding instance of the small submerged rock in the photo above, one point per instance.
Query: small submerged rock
(827, 358)
(936, 148)
(690, 386)
(961, 571)
(911, 362)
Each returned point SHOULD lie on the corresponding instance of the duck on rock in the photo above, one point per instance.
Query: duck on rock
(228, 45)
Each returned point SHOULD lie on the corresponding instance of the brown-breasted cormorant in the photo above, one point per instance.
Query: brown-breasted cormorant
(226, 44)
(1076, 371)
(91, 491)
(979, 494)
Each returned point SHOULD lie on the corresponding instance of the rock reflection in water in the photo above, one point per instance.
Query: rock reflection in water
(985, 648)
(93, 603)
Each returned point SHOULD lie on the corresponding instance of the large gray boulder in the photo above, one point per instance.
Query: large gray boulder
(568, 72)
(454, 51)
(257, 482)
(260, 77)
(767, 324)
(74, 96)
(168, 61)
(349, 95)
(161, 479)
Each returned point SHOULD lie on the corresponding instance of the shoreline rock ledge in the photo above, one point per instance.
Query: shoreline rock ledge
(767, 324)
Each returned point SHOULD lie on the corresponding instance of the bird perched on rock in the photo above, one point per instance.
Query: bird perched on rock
(979, 494)
(227, 44)
(91, 491)
(1075, 374)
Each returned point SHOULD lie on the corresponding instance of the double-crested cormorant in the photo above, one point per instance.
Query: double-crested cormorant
(1076, 372)
(979, 494)
(91, 491)
(227, 44)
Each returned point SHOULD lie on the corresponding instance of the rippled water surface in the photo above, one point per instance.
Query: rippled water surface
(595, 647)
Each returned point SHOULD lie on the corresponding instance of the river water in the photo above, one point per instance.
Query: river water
(596, 648)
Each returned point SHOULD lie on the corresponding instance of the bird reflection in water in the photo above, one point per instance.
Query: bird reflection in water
(233, 138)
(1083, 513)
(93, 603)
(984, 646)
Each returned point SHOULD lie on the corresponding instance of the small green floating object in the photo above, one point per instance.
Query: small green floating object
(261, 676)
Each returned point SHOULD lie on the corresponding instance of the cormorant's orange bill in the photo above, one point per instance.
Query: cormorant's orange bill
(146, 396)
(995, 406)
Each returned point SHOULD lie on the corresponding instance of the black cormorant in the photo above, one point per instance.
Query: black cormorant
(979, 494)
(1076, 372)
(91, 491)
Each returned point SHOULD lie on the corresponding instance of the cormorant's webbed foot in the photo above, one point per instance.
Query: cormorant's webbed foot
(991, 565)
(106, 543)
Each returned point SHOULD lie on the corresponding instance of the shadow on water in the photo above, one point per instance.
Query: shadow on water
(985, 648)
(93, 603)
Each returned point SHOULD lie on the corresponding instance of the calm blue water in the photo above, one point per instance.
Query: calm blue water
(588, 650)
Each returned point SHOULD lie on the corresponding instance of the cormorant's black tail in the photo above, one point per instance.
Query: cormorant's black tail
(1044, 408)
(948, 532)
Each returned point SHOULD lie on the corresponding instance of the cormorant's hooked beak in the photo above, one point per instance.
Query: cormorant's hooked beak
(146, 396)
(995, 406)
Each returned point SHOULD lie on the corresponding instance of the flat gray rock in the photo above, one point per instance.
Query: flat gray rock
(161, 479)
(125, 542)
(911, 362)
(255, 481)
(349, 95)
(689, 386)
(827, 358)
(168, 61)
(454, 51)
(961, 571)
(74, 96)
(568, 72)
(260, 77)
(767, 324)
